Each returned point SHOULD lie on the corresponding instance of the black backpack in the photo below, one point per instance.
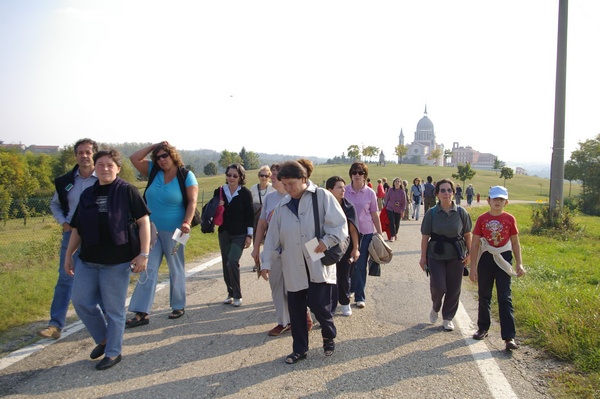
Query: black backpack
(207, 220)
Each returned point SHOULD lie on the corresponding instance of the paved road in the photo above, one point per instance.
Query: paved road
(386, 350)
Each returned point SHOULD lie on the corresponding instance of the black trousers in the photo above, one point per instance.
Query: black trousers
(318, 298)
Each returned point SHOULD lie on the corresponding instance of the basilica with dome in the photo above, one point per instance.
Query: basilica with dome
(423, 149)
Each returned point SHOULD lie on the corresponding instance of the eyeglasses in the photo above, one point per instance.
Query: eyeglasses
(445, 190)
(232, 176)
(358, 172)
(162, 156)
(263, 175)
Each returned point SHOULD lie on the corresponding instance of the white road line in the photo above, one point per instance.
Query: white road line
(22, 353)
(492, 375)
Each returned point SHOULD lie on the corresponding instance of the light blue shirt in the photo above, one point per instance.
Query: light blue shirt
(166, 202)
(80, 183)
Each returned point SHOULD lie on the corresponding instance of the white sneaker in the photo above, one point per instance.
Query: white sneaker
(237, 302)
(228, 301)
(448, 325)
(346, 310)
(361, 304)
(433, 316)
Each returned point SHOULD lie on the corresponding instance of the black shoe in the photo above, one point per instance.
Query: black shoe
(97, 351)
(511, 344)
(480, 334)
(140, 319)
(107, 362)
(328, 346)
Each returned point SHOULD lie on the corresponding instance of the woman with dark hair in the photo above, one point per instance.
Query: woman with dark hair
(337, 186)
(171, 195)
(446, 238)
(308, 283)
(395, 205)
(106, 257)
(235, 234)
(365, 202)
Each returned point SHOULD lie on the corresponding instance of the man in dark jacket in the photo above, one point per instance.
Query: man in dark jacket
(68, 189)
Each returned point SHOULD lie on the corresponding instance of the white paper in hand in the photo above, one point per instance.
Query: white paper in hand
(180, 236)
(310, 247)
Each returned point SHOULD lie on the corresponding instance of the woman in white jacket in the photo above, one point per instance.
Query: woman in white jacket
(308, 283)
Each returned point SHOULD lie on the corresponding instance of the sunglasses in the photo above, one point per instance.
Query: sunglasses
(263, 175)
(445, 190)
(232, 176)
(358, 172)
(162, 156)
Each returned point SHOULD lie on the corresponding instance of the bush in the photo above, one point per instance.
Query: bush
(555, 222)
(572, 203)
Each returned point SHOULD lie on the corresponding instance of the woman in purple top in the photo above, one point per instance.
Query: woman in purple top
(395, 205)
(365, 202)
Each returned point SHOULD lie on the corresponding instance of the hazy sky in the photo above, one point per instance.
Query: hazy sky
(302, 78)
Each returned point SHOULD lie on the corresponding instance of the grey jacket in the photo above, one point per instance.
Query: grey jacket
(290, 232)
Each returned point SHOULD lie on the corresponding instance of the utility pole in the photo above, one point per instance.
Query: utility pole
(558, 148)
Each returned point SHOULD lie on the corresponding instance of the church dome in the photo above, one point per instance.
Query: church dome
(425, 125)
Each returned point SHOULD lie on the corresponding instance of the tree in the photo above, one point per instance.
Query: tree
(435, 155)
(228, 157)
(506, 173)
(354, 152)
(464, 173)
(370, 151)
(587, 159)
(498, 164)
(252, 161)
(210, 169)
(400, 151)
(571, 173)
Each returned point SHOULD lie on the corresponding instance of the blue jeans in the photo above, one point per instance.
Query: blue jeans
(143, 295)
(64, 287)
(359, 277)
(94, 282)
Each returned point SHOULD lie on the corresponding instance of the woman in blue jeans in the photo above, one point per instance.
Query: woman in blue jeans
(106, 256)
(170, 210)
(364, 200)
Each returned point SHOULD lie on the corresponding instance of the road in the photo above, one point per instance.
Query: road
(386, 350)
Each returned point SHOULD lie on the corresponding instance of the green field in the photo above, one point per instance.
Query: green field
(556, 304)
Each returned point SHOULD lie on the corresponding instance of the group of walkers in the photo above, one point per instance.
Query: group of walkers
(97, 210)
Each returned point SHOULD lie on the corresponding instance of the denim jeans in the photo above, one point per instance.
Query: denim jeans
(63, 288)
(143, 295)
(359, 277)
(94, 282)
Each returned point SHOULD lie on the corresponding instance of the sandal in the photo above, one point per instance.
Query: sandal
(328, 346)
(294, 358)
(177, 314)
(140, 319)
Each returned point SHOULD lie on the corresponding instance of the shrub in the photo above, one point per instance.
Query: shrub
(556, 222)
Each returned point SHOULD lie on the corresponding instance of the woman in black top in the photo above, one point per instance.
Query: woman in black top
(235, 234)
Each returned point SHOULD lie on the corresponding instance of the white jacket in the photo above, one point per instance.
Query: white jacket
(290, 233)
(496, 253)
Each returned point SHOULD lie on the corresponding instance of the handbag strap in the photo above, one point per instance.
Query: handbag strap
(259, 196)
(316, 214)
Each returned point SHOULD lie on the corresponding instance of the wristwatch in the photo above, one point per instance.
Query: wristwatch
(144, 254)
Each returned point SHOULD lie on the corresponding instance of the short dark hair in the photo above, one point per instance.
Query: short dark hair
(240, 170)
(292, 170)
(330, 183)
(440, 182)
(429, 179)
(308, 165)
(111, 153)
(86, 141)
(359, 166)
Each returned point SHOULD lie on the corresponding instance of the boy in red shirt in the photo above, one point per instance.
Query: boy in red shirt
(495, 240)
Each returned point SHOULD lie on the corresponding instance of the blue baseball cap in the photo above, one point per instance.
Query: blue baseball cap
(498, 192)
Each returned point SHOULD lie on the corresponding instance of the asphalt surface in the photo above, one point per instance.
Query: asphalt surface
(386, 350)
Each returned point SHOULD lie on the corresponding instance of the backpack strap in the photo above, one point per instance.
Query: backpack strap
(151, 176)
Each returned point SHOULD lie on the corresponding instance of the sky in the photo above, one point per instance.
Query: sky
(305, 78)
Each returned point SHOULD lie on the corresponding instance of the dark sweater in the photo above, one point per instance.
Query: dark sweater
(239, 213)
